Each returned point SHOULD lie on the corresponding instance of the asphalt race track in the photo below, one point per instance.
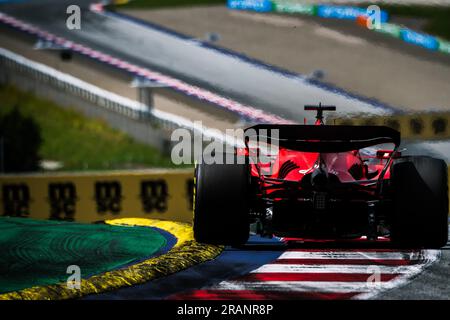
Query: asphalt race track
(252, 83)
(273, 269)
(263, 269)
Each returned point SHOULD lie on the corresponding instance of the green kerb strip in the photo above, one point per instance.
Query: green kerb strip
(36, 253)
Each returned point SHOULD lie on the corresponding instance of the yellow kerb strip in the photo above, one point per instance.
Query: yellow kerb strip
(186, 253)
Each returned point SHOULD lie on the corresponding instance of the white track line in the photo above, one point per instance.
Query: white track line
(367, 290)
(352, 255)
(429, 257)
(335, 268)
(362, 289)
(303, 286)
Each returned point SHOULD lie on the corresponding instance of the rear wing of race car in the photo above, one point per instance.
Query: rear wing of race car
(323, 138)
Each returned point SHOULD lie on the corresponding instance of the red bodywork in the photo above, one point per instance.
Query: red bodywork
(337, 163)
(323, 191)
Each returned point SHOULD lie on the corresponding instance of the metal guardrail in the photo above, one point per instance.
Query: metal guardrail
(429, 126)
(247, 112)
(100, 97)
(84, 90)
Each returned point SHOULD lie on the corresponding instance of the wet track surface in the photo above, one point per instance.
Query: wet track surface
(228, 74)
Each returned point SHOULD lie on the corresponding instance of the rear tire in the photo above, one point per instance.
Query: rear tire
(420, 202)
(221, 213)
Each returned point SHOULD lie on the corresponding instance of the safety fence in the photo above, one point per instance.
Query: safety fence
(358, 14)
(12, 62)
(433, 125)
(91, 196)
(245, 111)
(151, 126)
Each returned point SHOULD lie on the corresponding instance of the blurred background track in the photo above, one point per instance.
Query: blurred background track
(353, 58)
(254, 84)
(113, 80)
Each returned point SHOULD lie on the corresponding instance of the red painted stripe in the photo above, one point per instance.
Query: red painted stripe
(200, 93)
(352, 250)
(281, 276)
(380, 262)
(260, 295)
(358, 240)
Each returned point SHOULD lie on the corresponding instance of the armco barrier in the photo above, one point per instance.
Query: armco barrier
(245, 111)
(290, 7)
(423, 126)
(444, 46)
(122, 113)
(255, 5)
(419, 39)
(324, 11)
(91, 196)
(389, 28)
(345, 12)
(12, 62)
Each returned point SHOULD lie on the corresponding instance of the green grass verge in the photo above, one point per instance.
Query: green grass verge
(80, 143)
(37, 253)
(168, 3)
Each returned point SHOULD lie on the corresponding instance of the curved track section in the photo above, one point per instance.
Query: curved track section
(185, 253)
(275, 269)
(323, 274)
(38, 252)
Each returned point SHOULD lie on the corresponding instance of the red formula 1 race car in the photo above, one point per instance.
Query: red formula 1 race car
(323, 182)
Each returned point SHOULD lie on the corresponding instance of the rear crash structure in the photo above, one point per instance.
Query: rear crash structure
(324, 182)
